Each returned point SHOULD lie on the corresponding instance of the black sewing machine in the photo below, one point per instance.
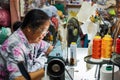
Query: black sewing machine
(56, 68)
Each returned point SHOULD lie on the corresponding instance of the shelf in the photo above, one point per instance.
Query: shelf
(73, 5)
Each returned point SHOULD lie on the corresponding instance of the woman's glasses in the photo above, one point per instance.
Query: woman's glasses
(43, 31)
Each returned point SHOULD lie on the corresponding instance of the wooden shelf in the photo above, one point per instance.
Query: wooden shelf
(73, 5)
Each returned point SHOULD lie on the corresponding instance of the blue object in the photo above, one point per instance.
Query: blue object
(57, 51)
(86, 41)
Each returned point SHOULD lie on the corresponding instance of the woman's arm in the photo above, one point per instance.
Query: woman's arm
(49, 50)
(37, 75)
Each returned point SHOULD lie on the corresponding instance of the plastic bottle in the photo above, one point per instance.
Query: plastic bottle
(73, 47)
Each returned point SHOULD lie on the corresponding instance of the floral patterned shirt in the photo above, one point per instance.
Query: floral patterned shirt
(17, 48)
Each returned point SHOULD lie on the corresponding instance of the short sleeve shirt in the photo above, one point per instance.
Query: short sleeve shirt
(17, 48)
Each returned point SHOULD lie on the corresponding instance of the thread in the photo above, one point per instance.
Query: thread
(118, 45)
(106, 47)
(106, 72)
(96, 47)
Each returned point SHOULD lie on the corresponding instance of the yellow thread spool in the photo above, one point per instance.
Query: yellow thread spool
(106, 47)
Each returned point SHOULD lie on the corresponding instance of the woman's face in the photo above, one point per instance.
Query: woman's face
(37, 35)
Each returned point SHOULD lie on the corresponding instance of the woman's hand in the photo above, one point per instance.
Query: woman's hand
(49, 50)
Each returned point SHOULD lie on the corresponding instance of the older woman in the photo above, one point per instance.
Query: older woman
(26, 45)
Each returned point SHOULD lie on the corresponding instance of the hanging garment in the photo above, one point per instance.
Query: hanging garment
(14, 10)
(4, 17)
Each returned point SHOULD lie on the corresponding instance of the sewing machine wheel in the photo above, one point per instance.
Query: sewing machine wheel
(56, 67)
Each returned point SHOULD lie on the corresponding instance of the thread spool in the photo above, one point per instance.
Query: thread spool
(106, 72)
(106, 47)
(118, 45)
(96, 48)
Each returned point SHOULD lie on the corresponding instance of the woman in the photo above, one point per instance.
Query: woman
(26, 45)
(16, 25)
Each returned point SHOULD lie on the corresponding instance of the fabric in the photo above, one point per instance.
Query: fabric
(60, 13)
(4, 17)
(23, 8)
(86, 11)
(50, 10)
(15, 12)
(60, 7)
(108, 4)
(4, 33)
(17, 48)
(55, 22)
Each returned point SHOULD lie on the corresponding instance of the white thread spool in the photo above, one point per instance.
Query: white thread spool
(106, 72)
